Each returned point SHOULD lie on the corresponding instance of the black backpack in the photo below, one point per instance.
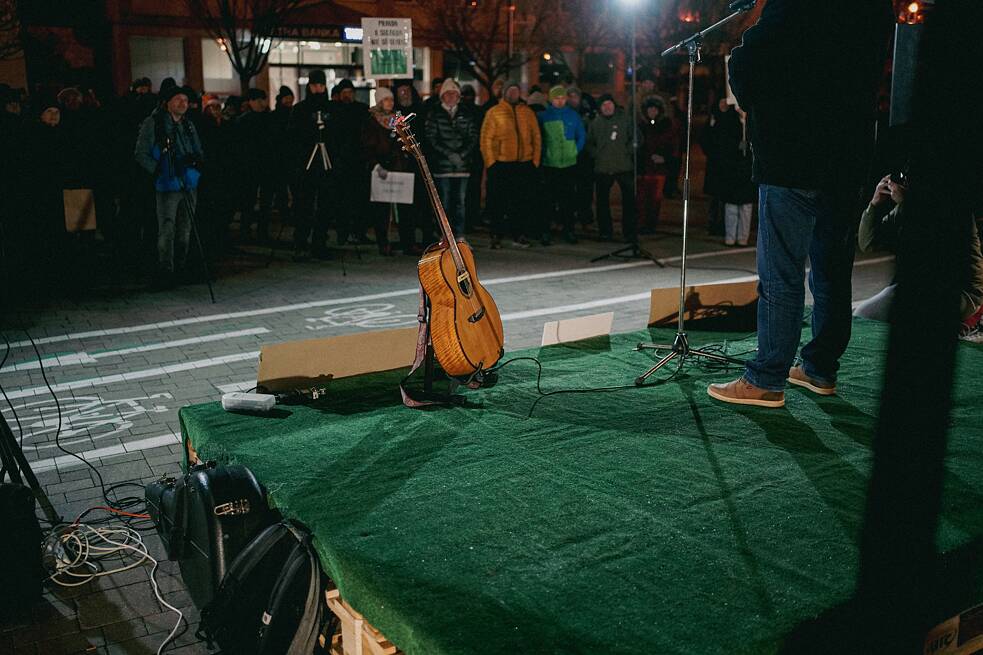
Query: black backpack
(270, 601)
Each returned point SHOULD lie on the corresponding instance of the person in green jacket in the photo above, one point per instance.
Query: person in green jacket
(564, 137)
(609, 143)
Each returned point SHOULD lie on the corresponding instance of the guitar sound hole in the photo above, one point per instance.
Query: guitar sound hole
(465, 287)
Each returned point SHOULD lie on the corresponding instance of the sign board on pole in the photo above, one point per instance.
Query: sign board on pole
(387, 47)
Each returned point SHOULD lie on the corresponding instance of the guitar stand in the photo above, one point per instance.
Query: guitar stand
(431, 374)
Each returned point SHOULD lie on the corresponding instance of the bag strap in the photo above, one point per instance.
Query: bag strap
(422, 339)
(306, 633)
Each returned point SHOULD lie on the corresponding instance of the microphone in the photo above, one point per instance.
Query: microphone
(742, 5)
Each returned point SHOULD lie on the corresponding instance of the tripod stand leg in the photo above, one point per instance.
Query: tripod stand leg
(640, 380)
(724, 359)
(193, 217)
(12, 451)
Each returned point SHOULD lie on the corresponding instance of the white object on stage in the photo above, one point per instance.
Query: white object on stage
(238, 401)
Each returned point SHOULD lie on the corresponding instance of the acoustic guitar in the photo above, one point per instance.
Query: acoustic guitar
(465, 326)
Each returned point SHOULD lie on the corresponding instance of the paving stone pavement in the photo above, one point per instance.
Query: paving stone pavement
(123, 360)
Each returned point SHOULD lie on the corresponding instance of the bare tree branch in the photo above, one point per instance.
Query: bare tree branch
(477, 32)
(11, 44)
(245, 29)
(584, 26)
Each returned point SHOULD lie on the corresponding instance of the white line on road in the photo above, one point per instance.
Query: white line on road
(158, 371)
(64, 462)
(265, 311)
(86, 358)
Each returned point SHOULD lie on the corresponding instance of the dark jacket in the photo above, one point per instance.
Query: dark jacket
(609, 143)
(807, 75)
(379, 147)
(731, 179)
(257, 141)
(451, 142)
(155, 132)
(303, 131)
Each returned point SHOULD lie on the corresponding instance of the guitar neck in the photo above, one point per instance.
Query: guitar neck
(438, 207)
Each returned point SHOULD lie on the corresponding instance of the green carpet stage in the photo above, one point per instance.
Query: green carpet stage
(653, 520)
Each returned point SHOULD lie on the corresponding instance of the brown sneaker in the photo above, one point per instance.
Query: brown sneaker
(797, 376)
(742, 392)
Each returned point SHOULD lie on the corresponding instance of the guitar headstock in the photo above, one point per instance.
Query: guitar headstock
(401, 128)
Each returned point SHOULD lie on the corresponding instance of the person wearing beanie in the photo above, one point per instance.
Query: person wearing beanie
(563, 139)
(537, 101)
(285, 97)
(347, 120)
(257, 141)
(312, 186)
(452, 139)
(280, 168)
(382, 155)
(168, 148)
(511, 146)
(610, 144)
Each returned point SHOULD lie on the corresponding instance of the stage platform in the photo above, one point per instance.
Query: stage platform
(651, 520)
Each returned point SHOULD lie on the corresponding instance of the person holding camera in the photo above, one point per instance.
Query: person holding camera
(881, 225)
(313, 188)
(169, 149)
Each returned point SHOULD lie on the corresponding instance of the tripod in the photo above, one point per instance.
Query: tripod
(189, 203)
(16, 465)
(680, 347)
(630, 251)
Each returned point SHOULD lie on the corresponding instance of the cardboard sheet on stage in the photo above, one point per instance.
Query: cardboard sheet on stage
(725, 306)
(297, 364)
(397, 188)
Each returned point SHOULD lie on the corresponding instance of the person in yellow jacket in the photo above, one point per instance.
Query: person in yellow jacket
(511, 146)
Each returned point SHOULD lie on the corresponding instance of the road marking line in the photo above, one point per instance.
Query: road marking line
(195, 320)
(135, 375)
(214, 361)
(65, 462)
(86, 358)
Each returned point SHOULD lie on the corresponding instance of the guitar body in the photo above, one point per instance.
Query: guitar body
(465, 326)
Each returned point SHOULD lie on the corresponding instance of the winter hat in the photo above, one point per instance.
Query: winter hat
(208, 100)
(381, 94)
(255, 94)
(508, 85)
(166, 85)
(317, 77)
(574, 91)
(536, 98)
(448, 85)
(345, 84)
(604, 98)
(284, 93)
(169, 92)
(468, 91)
(558, 91)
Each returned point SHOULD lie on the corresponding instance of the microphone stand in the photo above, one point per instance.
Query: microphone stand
(680, 347)
(192, 213)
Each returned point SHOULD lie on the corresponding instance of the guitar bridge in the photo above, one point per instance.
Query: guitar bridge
(477, 316)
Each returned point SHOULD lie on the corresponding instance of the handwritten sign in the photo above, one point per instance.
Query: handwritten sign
(396, 187)
(387, 47)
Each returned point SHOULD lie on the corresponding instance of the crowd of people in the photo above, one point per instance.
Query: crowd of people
(164, 165)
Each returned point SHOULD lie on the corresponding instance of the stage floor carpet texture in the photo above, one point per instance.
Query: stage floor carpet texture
(651, 520)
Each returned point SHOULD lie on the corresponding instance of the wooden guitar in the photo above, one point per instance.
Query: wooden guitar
(465, 326)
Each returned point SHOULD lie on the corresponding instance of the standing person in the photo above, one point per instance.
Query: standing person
(281, 152)
(584, 183)
(408, 102)
(609, 142)
(563, 139)
(168, 148)
(810, 165)
(657, 141)
(433, 100)
(732, 186)
(348, 118)
(257, 139)
(452, 138)
(511, 146)
(314, 184)
(382, 155)
(710, 143)
(476, 168)
(217, 191)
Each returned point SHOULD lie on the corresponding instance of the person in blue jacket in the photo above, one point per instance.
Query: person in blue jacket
(563, 139)
(169, 149)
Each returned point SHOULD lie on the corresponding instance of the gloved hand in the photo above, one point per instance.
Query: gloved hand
(381, 172)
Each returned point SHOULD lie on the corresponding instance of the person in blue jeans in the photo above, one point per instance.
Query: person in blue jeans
(452, 131)
(807, 78)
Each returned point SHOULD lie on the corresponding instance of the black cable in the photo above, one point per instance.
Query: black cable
(20, 428)
(122, 504)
